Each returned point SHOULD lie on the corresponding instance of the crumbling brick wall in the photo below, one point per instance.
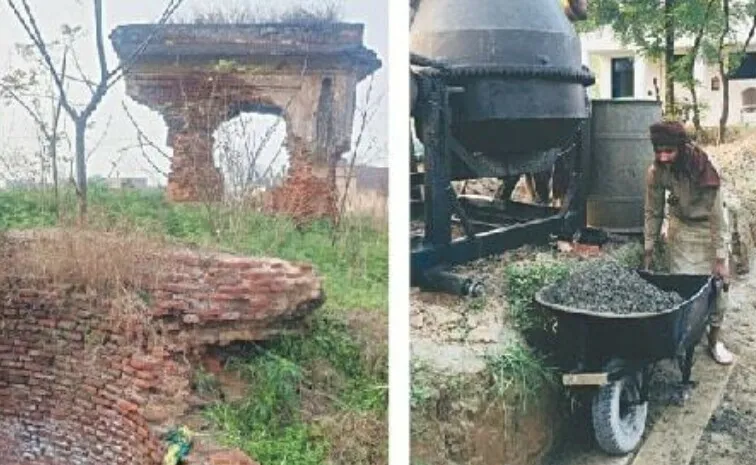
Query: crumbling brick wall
(217, 299)
(64, 398)
(88, 379)
(304, 196)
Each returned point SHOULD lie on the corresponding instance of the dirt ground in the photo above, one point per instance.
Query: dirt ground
(453, 418)
(737, 162)
(730, 437)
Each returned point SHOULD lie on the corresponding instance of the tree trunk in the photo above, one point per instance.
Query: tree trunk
(669, 58)
(81, 168)
(725, 103)
(723, 73)
(54, 164)
(692, 67)
(696, 109)
(690, 84)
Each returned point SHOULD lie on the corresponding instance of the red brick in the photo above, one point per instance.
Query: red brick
(144, 384)
(124, 406)
(143, 362)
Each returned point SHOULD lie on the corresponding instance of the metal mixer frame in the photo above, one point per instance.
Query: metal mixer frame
(489, 227)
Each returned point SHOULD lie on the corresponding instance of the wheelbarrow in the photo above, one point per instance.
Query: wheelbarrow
(612, 355)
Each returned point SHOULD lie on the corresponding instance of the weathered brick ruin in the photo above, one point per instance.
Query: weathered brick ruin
(89, 379)
(198, 76)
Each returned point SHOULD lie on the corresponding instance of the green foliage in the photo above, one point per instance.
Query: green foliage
(518, 371)
(641, 23)
(295, 443)
(522, 283)
(423, 388)
(476, 304)
(328, 339)
(268, 424)
(629, 255)
(26, 210)
(205, 384)
(355, 265)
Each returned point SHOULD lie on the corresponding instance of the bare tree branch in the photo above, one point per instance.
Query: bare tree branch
(101, 139)
(36, 37)
(83, 79)
(101, 58)
(363, 124)
(141, 134)
(114, 76)
(750, 36)
(31, 111)
(107, 79)
(148, 159)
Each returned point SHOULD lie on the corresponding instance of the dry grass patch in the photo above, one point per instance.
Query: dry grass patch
(359, 438)
(109, 271)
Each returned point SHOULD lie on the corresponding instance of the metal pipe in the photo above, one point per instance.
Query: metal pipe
(440, 280)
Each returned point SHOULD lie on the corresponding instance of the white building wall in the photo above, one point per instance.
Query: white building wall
(599, 47)
(644, 73)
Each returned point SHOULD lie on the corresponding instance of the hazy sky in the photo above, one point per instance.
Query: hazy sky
(17, 132)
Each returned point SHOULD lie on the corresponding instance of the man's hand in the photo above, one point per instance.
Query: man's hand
(648, 256)
(720, 270)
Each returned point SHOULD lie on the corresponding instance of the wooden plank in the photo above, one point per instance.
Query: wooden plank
(675, 436)
(585, 379)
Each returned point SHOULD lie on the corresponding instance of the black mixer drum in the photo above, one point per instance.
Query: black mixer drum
(519, 62)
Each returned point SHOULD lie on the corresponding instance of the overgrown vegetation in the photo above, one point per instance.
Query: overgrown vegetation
(320, 397)
(326, 12)
(522, 283)
(304, 389)
(520, 373)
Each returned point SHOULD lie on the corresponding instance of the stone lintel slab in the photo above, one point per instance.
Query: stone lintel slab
(250, 43)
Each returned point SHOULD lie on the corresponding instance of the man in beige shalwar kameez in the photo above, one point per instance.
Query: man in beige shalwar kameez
(697, 230)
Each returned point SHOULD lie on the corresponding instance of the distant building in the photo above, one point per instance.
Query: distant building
(23, 184)
(373, 178)
(127, 183)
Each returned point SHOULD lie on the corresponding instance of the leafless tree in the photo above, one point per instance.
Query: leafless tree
(366, 115)
(99, 87)
(20, 87)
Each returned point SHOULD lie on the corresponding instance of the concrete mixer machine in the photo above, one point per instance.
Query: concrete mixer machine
(498, 91)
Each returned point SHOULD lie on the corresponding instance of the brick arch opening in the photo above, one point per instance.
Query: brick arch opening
(250, 148)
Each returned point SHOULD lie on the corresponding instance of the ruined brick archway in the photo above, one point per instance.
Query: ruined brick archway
(198, 76)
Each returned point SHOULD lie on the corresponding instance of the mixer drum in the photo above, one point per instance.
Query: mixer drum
(520, 65)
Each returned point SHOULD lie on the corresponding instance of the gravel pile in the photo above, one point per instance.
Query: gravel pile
(608, 287)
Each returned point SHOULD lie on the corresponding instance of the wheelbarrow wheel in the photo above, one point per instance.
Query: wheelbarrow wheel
(619, 418)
